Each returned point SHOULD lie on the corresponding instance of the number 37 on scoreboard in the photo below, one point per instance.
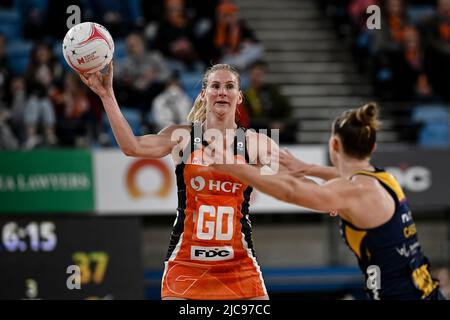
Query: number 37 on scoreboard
(89, 267)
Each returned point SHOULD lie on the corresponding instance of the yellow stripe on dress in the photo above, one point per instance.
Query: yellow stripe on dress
(354, 239)
(388, 180)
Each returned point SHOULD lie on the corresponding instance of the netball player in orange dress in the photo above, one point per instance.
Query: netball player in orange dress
(211, 252)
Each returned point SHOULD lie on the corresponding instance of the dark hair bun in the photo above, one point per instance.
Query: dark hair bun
(367, 115)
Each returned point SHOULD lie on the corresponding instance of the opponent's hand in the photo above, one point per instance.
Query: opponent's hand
(296, 167)
(100, 83)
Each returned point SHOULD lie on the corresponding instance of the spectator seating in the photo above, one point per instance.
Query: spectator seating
(134, 119)
(18, 54)
(434, 131)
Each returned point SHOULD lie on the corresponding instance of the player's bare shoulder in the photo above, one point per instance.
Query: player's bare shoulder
(179, 133)
(364, 185)
(170, 129)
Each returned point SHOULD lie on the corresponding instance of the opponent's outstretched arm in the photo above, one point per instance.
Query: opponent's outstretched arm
(331, 196)
(299, 168)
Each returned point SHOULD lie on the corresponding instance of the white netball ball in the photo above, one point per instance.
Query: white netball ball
(88, 47)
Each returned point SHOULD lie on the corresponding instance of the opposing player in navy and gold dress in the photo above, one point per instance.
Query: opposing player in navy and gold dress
(376, 220)
(393, 247)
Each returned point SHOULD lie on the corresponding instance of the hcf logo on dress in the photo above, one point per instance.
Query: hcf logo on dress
(198, 184)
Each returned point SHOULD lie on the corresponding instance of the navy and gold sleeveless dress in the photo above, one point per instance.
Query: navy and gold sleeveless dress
(390, 255)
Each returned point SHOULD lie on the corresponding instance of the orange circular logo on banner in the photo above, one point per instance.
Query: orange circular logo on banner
(158, 165)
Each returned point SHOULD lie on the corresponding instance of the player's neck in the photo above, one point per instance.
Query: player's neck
(349, 165)
(221, 124)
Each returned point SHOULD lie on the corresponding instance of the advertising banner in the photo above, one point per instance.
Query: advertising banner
(422, 173)
(46, 181)
(148, 186)
(133, 185)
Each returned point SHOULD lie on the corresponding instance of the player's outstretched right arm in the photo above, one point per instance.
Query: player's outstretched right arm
(299, 168)
(148, 146)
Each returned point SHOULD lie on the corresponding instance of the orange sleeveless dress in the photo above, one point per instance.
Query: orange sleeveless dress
(211, 252)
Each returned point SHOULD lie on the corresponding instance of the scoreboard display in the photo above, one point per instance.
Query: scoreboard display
(64, 257)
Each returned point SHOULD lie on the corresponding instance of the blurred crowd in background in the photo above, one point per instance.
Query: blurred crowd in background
(408, 59)
(163, 47)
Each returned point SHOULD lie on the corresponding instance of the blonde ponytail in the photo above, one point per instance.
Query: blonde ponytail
(198, 111)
